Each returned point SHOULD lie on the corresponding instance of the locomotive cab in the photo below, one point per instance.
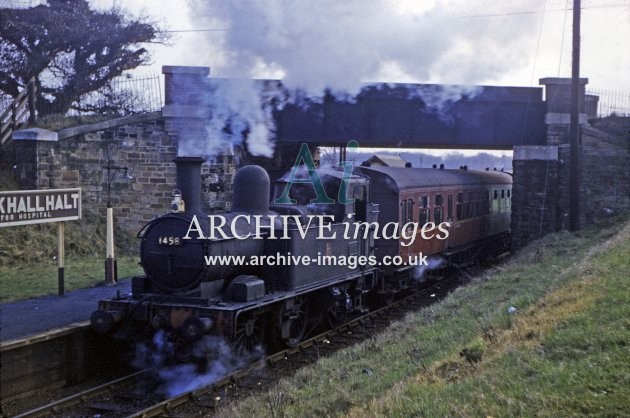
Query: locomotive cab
(330, 192)
(333, 197)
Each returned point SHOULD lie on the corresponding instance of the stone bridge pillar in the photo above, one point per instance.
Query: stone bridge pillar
(536, 200)
(540, 202)
(558, 99)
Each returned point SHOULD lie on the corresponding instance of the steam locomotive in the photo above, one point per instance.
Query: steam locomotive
(366, 247)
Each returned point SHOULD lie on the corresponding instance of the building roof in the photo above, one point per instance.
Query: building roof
(386, 160)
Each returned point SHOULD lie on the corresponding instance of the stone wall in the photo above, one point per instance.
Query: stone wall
(605, 163)
(540, 202)
(143, 147)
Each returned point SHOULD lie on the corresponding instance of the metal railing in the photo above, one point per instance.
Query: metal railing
(611, 102)
(125, 95)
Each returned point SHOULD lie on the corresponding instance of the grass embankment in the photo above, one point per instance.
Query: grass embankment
(565, 351)
(28, 265)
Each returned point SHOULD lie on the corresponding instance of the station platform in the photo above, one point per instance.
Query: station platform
(28, 317)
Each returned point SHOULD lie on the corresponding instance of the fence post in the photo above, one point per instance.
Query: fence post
(14, 106)
(32, 101)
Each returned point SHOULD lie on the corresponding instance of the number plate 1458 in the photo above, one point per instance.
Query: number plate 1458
(171, 241)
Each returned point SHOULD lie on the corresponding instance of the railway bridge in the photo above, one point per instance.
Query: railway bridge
(380, 115)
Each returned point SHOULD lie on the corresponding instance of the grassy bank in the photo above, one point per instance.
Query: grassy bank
(28, 266)
(39, 278)
(563, 352)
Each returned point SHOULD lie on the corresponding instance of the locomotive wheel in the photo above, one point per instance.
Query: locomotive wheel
(249, 333)
(183, 351)
(338, 312)
(386, 298)
(292, 321)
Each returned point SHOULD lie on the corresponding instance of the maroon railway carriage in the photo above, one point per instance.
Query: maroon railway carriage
(476, 204)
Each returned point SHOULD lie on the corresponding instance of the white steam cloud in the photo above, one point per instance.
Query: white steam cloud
(240, 104)
(337, 45)
(175, 378)
(432, 264)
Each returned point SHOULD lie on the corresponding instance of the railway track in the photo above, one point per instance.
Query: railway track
(57, 407)
(119, 397)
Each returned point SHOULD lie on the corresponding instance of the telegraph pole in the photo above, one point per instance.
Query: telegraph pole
(574, 128)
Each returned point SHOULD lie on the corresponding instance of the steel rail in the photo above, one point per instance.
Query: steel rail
(56, 406)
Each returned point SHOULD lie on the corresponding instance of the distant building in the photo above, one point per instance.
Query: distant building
(385, 161)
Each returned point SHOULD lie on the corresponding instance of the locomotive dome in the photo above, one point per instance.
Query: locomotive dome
(251, 190)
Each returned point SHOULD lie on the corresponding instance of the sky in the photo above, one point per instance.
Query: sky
(320, 44)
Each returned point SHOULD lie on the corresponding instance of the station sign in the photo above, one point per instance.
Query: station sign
(25, 207)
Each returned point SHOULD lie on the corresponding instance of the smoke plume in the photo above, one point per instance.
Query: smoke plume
(174, 377)
(238, 109)
(432, 264)
(337, 45)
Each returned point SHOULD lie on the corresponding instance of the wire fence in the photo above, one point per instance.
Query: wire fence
(611, 102)
(124, 96)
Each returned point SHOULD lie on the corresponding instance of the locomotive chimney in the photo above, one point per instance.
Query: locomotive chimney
(189, 181)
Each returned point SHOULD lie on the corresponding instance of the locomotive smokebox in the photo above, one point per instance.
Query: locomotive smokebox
(251, 190)
(189, 181)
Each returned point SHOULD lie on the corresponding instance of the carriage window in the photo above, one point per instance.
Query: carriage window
(460, 206)
(486, 203)
(503, 194)
(478, 208)
(437, 212)
(406, 210)
(424, 211)
(437, 215)
(403, 210)
(496, 194)
(479, 204)
(449, 210)
(509, 193)
(468, 206)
